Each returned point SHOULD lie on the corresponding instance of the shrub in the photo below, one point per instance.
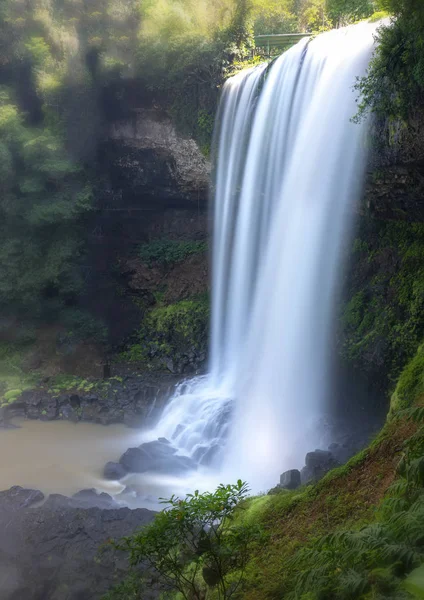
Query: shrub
(394, 84)
(194, 545)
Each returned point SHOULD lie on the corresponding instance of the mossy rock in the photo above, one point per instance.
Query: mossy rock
(176, 334)
(11, 396)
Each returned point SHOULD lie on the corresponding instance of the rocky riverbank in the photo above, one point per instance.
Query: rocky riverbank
(134, 400)
(59, 550)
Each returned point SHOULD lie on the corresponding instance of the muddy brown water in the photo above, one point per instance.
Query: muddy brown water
(61, 457)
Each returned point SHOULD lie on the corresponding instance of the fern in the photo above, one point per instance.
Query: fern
(370, 562)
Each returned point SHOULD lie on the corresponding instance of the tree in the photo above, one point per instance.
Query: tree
(197, 545)
(42, 197)
(342, 12)
(394, 85)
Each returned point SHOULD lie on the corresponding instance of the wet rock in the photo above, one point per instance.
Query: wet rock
(205, 455)
(18, 498)
(317, 464)
(90, 498)
(60, 551)
(6, 414)
(135, 460)
(114, 471)
(68, 413)
(158, 449)
(82, 499)
(130, 400)
(290, 480)
(342, 452)
(156, 456)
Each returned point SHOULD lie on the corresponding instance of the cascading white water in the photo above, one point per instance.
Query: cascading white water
(289, 167)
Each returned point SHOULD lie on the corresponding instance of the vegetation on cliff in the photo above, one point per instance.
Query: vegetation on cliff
(381, 322)
(393, 88)
(173, 337)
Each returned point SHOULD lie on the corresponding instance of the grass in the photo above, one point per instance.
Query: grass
(347, 498)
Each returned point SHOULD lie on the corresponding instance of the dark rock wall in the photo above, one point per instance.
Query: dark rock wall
(59, 551)
(155, 186)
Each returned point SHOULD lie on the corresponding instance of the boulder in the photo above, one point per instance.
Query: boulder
(158, 449)
(317, 464)
(156, 456)
(342, 452)
(290, 480)
(17, 498)
(90, 498)
(114, 471)
(205, 455)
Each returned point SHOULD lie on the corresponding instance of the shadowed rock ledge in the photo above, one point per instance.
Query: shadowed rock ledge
(60, 550)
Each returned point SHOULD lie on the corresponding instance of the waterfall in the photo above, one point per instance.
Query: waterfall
(289, 167)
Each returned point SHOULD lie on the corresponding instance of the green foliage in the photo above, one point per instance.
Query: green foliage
(414, 583)
(177, 332)
(393, 87)
(11, 395)
(43, 195)
(290, 16)
(13, 376)
(381, 320)
(59, 60)
(410, 386)
(342, 12)
(195, 545)
(370, 562)
(185, 49)
(132, 588)
(168, 252)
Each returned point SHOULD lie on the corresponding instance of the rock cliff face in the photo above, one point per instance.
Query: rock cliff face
(156, 162)
(155, 187)
(395, 185)
(381, 324)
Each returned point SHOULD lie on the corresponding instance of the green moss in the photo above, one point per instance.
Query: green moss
(252, 509)
(381, 320)
(176, 332)
(167, 252)
(67, 383)
(11, 395)
(410, 386)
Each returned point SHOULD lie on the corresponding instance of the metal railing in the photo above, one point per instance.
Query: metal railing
(278, 41)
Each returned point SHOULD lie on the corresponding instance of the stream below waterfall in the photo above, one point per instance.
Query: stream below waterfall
(61, 457)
